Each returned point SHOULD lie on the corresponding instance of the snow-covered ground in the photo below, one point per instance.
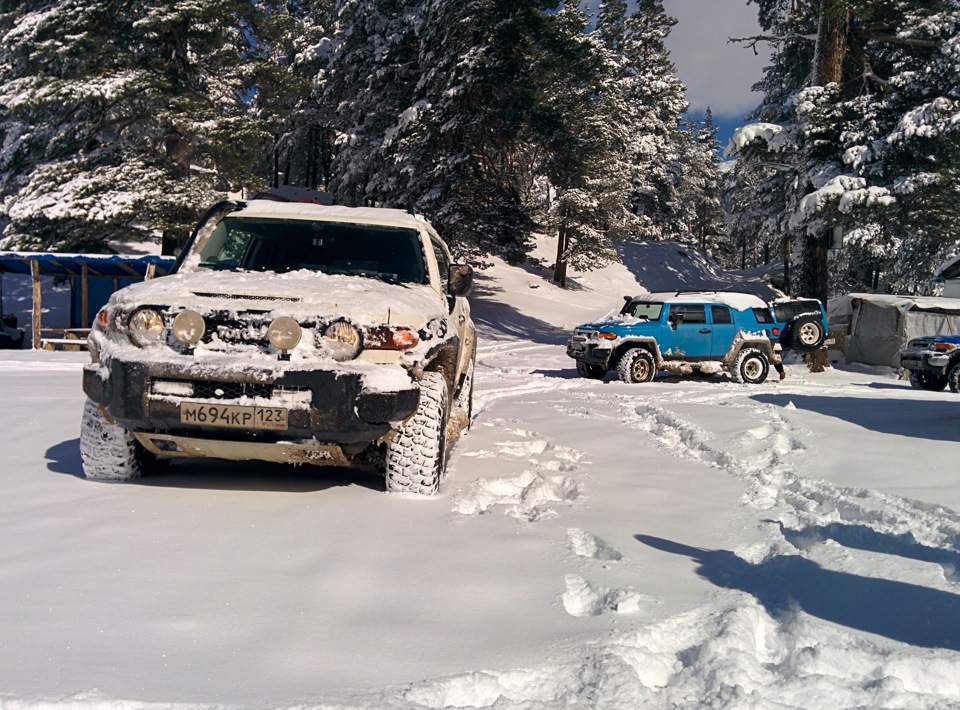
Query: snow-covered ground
(681, 544)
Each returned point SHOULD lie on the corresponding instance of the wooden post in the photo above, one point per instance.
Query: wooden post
(151, 271)
(37, 304)
(84, 297)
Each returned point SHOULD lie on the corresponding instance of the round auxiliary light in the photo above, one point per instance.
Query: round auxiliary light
(342, 340)
(284, 333)
(188, 327)
(145, 327)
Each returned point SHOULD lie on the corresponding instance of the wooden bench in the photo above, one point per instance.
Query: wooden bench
(69, 339)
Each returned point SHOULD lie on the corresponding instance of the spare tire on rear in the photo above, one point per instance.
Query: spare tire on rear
(806, 334)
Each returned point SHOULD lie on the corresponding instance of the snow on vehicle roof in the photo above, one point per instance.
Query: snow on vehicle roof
(736, 300)
(332, 213)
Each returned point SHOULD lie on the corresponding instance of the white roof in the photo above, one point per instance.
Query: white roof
(332, 213)
(736, 300)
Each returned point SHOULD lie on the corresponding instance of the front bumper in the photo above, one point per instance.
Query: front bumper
(324, 405)
(591, 353)
(924, 360)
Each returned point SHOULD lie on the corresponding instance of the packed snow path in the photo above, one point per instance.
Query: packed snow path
(684, 543)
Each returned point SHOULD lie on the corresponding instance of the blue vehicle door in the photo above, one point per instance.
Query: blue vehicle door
(724, 330)
(690, 331)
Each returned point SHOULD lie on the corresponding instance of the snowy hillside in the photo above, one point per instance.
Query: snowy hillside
(680, 544)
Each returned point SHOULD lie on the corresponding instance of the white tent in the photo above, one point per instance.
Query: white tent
(878, 326)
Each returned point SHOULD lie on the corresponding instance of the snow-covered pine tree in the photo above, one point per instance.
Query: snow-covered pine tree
(700, 188)
(656, 101)
(500, 81)
(370, 85)
(866, 144)
(303, 149)
(123, 120)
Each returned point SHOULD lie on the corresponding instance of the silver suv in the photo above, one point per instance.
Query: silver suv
(288, 332)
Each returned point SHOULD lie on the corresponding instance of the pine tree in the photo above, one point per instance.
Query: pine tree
(868, 144)
(655, 100)
(124, 120)
(700, 189)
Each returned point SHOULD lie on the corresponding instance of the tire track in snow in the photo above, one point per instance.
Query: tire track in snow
(773, 483)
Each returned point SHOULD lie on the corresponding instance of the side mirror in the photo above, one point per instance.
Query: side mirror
(460, 280)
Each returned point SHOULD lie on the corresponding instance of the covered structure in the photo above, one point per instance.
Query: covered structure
(92, 277)
(877, 326)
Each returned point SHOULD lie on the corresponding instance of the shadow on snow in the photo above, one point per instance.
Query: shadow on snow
(896, 610)
(934, 418)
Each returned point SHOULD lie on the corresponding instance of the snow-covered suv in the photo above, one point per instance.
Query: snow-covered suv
(287, 332)
(680, 332)
(933, 362)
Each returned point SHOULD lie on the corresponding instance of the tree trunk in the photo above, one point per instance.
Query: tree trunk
(560, 266)
(831, 50)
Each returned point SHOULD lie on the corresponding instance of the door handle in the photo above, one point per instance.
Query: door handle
(704, 330)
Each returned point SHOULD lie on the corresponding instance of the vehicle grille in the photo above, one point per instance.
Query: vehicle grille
(203, 389)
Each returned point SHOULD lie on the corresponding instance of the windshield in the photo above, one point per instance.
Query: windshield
(279, 245)
(643, 310)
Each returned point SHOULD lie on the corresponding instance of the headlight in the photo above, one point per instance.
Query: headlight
(145, 327)
(188, 327)
(341, 340)
(284, 333)
(945, 347)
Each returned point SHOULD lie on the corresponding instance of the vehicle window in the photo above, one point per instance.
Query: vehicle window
(721, 314)
(789, 311)
(442, 262)
(643, 310)
(263, 244)
(691, 312)
(763, 315)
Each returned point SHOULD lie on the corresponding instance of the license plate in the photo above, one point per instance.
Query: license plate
(233, 416)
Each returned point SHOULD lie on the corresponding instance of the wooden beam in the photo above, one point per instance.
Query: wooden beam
(151, 271)
(37, 303)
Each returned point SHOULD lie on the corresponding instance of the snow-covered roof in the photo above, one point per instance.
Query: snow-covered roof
(737, 301)
(331, 213)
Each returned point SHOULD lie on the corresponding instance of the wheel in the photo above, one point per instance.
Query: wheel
(636, 365)
(953, 378)
(415, 455)
(751, 367)
(920, 380)
(807, 334)
(592, 372)
(109, 452)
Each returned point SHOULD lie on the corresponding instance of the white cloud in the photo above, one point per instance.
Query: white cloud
(717, 74)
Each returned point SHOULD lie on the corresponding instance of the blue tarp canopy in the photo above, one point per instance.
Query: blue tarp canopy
(114, 266)
(97, 275)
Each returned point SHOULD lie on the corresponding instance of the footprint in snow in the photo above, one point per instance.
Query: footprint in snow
(583, 599)
(586, 544)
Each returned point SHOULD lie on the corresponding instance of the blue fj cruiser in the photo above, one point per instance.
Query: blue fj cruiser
(708, 332)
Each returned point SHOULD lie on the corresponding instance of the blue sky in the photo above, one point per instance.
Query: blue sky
(717, 74)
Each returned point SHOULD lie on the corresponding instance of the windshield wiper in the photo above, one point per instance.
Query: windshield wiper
(218, 265)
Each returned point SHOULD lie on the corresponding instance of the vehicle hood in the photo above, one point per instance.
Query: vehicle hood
(299, 294)
(611, 324)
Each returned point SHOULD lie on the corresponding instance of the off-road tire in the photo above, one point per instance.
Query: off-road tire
(750, 366)
(636, 365)
(415, 456)
(928, 381)
(953, 378)
(109, 452)
(591, 372)
(807, 334)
